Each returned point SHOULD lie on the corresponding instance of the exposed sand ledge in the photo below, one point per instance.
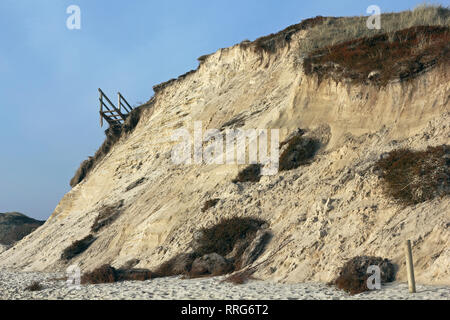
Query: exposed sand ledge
(12, 287)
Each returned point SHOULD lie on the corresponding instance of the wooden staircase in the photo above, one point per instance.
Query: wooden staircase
(115, 116)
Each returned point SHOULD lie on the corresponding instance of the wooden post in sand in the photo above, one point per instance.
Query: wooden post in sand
(410, 267)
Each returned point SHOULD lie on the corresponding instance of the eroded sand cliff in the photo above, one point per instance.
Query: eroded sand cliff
(321, 214)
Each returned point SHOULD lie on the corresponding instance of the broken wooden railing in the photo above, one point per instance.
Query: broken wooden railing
(115, 116)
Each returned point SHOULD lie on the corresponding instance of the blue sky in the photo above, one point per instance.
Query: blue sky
(49, 74)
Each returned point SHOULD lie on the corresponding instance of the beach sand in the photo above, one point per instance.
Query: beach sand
(13, 284)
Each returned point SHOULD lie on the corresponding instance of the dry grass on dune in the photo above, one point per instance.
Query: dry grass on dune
(271, 43)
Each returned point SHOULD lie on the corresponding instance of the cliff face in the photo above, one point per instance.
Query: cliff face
(321, 214)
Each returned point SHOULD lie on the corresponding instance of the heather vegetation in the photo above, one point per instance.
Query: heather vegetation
(251, 173)
(332, 31)
(411, 177)
(399, 55)
(329, 31)
(109, 274)
(353, 275)
(220, 249)
(222, 237)
(407, 43)
(297, 151)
